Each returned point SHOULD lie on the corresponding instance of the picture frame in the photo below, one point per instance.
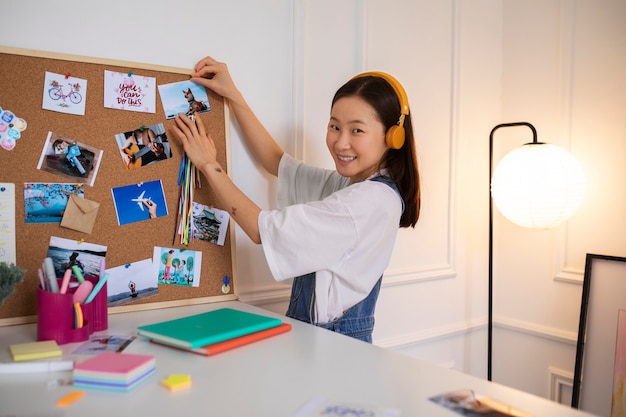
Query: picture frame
(599, 363)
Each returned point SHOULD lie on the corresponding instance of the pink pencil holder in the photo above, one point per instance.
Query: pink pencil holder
(56, 317)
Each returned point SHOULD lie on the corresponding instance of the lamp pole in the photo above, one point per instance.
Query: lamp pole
(490, 298)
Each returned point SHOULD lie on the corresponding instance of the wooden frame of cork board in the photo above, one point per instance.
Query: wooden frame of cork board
(21, 89)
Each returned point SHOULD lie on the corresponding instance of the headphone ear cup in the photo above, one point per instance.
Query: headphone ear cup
(395, 137)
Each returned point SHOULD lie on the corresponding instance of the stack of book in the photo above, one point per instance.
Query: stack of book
(114, 371)
(214, 331)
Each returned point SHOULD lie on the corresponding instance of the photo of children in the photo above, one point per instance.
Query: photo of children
(143, 146)
(70, 159)
(177, 266)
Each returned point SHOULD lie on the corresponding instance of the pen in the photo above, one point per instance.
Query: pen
(97, 287)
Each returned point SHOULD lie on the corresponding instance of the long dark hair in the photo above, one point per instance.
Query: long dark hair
(401, 164)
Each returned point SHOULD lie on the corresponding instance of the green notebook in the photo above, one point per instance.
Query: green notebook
(203, 329)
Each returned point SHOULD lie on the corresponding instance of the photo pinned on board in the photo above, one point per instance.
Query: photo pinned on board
(138, 202)
(184, 97)
(177, 266)
(67, 253)
(70, 158)
(64, 94)
(46, 202)
(143, 146)
(131, 282)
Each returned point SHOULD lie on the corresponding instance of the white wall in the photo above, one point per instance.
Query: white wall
(467, 66)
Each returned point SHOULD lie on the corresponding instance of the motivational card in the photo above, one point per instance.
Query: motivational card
(130, 92)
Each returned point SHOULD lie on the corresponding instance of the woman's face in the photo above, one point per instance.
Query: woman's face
(355, 138)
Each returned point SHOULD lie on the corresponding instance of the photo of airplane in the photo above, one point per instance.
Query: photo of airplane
(143, 194)
(140, 200)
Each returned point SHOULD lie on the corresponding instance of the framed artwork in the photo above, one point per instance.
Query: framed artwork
(600, 371)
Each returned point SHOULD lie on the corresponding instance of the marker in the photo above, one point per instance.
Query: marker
(97, 287)
(66, 281)
(78, 316)
(78, 274)
(42, 281)
(48, 267)
(35, 366)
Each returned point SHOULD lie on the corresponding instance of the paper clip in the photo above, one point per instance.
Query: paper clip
(81, 240)
(68, 75)
(130, 74)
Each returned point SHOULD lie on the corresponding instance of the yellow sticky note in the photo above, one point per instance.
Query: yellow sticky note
(176, 382)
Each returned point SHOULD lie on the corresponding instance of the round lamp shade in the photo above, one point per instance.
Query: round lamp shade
(538, 185)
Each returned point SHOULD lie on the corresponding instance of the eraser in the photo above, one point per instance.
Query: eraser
(70, 398)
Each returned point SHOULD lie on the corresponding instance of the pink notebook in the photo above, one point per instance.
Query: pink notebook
(113, 364)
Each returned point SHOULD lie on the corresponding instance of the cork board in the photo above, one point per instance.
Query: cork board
(21, 89)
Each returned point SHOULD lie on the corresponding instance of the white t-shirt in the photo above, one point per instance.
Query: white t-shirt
(345, 233)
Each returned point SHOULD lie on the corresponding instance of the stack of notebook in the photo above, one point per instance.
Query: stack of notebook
(214, 331)
(114, 371)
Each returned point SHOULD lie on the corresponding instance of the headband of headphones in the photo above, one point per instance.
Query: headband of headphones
(395, 135)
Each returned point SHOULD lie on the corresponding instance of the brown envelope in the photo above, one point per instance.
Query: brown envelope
(80, 214)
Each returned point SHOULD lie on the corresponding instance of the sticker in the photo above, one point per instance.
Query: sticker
(11, 128)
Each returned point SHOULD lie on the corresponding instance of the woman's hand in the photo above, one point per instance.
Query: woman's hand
(198, 145)
(214, 75)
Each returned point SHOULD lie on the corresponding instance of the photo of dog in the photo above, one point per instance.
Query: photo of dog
(195, 106)
(194, 99)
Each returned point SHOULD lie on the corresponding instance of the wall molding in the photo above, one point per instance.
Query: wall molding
(534, 329)
(560, 379)
(431, 335)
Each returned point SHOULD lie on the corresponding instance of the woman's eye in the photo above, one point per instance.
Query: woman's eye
(333, 127)
(355, 131)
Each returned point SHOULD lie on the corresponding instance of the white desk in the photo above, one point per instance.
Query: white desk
(273, 377)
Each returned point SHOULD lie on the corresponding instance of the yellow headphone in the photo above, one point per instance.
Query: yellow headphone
(395, 135)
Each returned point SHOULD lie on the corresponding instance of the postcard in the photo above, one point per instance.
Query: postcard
(184, 97)
(209, 224)
(467, 403)
(66, 253)
(64, 94)
(138, 202)
(143, 146)
(69, 158)
(324, 407)
(130, 92)
(177, 266)
(99, 344)
(131, 282)
(46, 202)
(7, 223)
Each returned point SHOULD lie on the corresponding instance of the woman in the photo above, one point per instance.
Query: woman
(335, 230)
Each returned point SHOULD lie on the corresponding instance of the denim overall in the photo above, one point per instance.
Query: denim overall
(356, 322)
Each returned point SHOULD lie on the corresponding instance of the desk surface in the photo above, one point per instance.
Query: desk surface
(273, 377)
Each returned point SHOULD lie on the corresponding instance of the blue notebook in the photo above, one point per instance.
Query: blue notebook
(203, 329)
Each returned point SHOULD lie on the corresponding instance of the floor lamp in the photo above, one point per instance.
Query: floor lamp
(537, 185)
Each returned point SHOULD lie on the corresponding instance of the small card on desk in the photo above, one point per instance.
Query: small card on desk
(35, 350)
